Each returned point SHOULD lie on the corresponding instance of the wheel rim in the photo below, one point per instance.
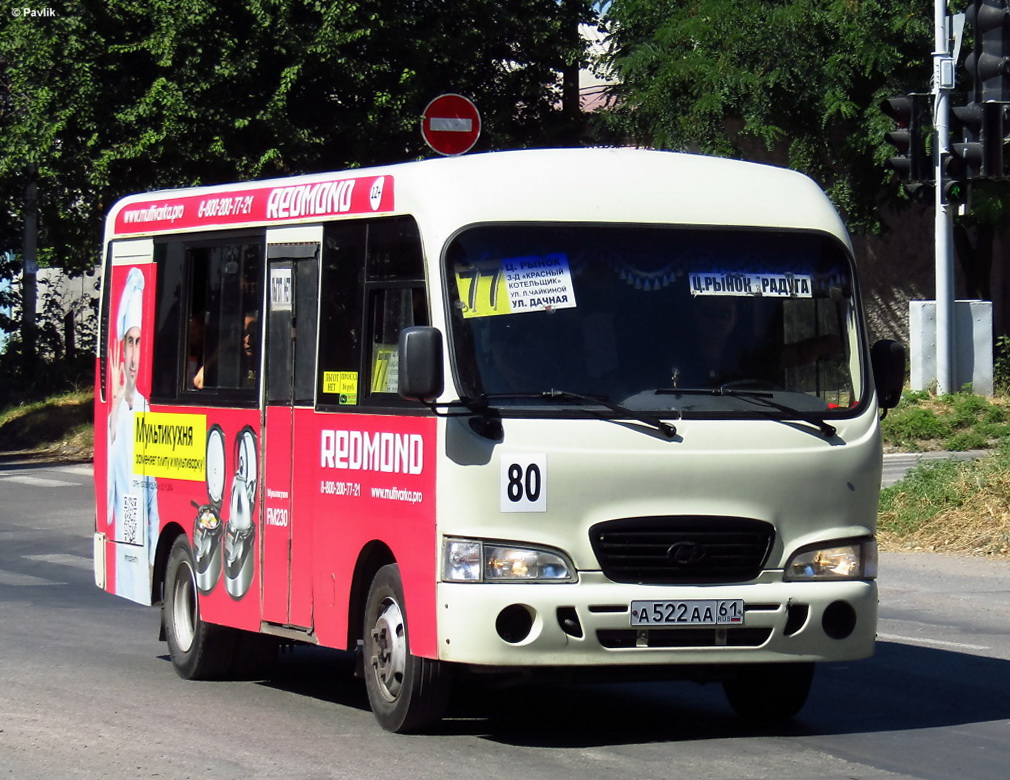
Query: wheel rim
(184, 609)
(389, 650)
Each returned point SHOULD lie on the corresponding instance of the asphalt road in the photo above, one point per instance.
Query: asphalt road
(897, 464)
(86, 690)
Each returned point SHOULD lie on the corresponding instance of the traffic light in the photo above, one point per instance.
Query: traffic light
(967, 159)
(980, 154)
(956, 187)
(994, 125)
(911, 115)
(989, 62)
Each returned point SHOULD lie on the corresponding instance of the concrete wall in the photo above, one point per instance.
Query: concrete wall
(75, 297)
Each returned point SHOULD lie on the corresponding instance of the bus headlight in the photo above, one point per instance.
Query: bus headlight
(849, 560)
(470, 560)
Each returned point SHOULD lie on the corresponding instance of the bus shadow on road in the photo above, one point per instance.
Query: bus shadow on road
(907, 687)
(903, 687)
(321, 673)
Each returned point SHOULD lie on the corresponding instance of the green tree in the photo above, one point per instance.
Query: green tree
(793, 82)
(108, 97)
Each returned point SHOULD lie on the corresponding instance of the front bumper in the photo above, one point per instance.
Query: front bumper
(588, 624)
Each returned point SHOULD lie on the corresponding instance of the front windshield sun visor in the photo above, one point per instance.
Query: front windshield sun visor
(654, 323)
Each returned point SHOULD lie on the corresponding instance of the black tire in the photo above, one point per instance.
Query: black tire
(769, 692)
(199, 651)
(406, 693)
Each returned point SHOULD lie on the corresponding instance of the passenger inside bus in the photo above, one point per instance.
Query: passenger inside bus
(194, 360)
(249, 358)
(250, 349)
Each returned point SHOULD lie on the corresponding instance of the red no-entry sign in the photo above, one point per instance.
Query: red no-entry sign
(450, 124)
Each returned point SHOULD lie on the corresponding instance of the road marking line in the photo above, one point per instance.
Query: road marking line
(16, 579)
(38, 481)
(60, 559)
(84, 469)
(914, 640)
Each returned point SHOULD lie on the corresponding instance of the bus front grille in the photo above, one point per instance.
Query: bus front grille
(682, 550)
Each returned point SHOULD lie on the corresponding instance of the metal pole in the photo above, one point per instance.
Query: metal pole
(944, 218)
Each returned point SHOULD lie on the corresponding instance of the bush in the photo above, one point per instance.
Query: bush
(19, 384)
(959, 421)
(914, 396)
(948, 506)
(1001, 364)
(65, 338)
(909, 425)
(60, 424)
(926, 491)
(966, 440)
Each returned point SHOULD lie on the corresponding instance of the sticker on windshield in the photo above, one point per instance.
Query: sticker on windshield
(515, 286)
(342, 383)
(784, 285)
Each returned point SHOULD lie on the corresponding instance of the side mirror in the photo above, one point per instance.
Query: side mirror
(420, 364)
(888, 360)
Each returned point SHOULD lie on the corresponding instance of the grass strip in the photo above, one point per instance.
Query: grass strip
(948, 506)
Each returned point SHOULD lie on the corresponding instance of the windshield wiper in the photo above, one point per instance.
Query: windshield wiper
(656, 422)
(661, 425)
(765, 397)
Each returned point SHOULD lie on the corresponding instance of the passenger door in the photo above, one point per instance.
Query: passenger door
(290, 356)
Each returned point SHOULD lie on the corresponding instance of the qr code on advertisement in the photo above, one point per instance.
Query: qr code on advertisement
(129, 520)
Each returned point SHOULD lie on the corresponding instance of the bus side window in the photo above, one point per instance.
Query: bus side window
(198, 373)
(371, 287)
(392, 310)
(223, 324)
(168, 316)
(207, 319)
(396, 300)
(341, 288)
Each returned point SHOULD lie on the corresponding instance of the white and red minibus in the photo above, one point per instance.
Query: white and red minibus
(592, 410)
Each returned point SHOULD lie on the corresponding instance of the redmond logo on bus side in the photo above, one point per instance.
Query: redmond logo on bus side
(400, 453)
(309, 200)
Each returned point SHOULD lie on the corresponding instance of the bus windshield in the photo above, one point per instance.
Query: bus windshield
(687, 320)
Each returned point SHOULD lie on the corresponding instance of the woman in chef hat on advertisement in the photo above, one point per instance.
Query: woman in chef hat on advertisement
(132, 497)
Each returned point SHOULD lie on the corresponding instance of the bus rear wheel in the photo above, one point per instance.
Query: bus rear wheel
(769, 692)
(406, 693)
(199, 651)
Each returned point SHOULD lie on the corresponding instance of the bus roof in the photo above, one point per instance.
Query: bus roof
(616, 185)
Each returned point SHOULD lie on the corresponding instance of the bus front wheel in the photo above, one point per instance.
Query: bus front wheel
(769, 692)
(199, 651)
(406, 693)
